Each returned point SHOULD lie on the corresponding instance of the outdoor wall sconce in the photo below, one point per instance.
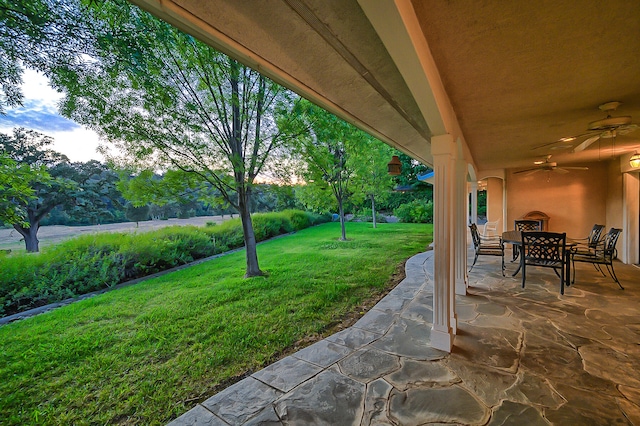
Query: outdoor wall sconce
(634, 161)
(394, 166)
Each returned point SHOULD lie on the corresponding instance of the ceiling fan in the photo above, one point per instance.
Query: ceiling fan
(607, 128)
(548, 166)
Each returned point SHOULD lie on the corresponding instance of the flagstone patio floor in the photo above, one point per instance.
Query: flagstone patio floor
(521, 357)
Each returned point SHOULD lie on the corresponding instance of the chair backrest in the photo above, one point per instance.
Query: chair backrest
(610, 241)
(490, 227)
(528, 225)
(475, 235)
(543, 246)
(594, 235)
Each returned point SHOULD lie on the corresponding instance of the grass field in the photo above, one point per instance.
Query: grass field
(10, 239)
(147, 353)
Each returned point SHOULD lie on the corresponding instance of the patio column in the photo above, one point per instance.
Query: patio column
(628, 252)
(460, 230)
(443, 151)
(474, 202)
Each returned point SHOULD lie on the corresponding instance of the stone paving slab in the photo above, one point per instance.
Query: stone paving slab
(521, 357)
(241, 401)
(287, 373)
(323, 353)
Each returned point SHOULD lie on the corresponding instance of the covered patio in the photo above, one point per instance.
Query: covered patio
(521, 357)
(481, 91)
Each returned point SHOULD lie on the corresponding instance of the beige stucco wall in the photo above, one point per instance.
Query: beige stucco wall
(614, 196)
(574, 201)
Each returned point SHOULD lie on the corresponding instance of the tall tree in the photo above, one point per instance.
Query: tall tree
(43, 35)
(28, 147)
(99, 197)
(372, 177)
(16, 190)
(329, 153)
(172, 102)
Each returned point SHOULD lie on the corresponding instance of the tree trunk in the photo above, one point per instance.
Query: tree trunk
(373, 209)
(253, 269)
(341, 211)
(30, 236)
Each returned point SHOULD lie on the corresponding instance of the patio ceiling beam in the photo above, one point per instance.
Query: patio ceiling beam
(399, 29)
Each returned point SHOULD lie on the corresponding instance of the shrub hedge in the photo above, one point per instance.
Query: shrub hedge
(417, 211)
(94, 262)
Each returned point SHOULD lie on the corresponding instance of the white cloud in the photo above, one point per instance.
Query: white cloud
(40, 112)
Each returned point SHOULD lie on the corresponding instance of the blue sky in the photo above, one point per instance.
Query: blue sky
(39, 112)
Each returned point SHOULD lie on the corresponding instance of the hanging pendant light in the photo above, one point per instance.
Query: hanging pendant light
(634, 161)
(394, 167)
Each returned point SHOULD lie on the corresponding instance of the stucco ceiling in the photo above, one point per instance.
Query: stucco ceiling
(521, 74)
(518, 74)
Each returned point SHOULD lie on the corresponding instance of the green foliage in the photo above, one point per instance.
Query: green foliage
(417, 211)
(137, 213)
(299, 219)
(364, 215)
(267, 225)
(16, 188)
(44, 35)
(482, 203)
(94, 262)
(145, 354)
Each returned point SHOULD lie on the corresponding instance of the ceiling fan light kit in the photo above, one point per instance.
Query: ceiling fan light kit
(634, 161)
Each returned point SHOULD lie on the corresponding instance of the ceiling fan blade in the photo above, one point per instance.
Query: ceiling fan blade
(584, 145)
(547, 144)
(576, 168)
(560, 170)
(565, 143)
(535, 169)
(623, 130)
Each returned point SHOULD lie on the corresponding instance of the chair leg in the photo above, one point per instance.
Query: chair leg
(503, 267)
(524, 271)
(561, 279)
(613, 275)
(599, 268)
(573, 267)
(474, 262)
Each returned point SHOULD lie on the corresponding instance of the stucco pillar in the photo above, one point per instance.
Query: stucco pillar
(628, 247)
(460, 229)
(495, 201)
(443, 151)
(473, 217)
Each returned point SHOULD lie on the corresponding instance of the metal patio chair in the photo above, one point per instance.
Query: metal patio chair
(588, 245)
(490, 228)
(486, 246)
(546, 250)
(527, 225)
(524, 225)
(603, 254)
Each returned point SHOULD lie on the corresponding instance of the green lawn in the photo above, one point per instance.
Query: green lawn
(147, 353)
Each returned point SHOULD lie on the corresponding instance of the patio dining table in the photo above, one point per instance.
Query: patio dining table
(515, 238)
